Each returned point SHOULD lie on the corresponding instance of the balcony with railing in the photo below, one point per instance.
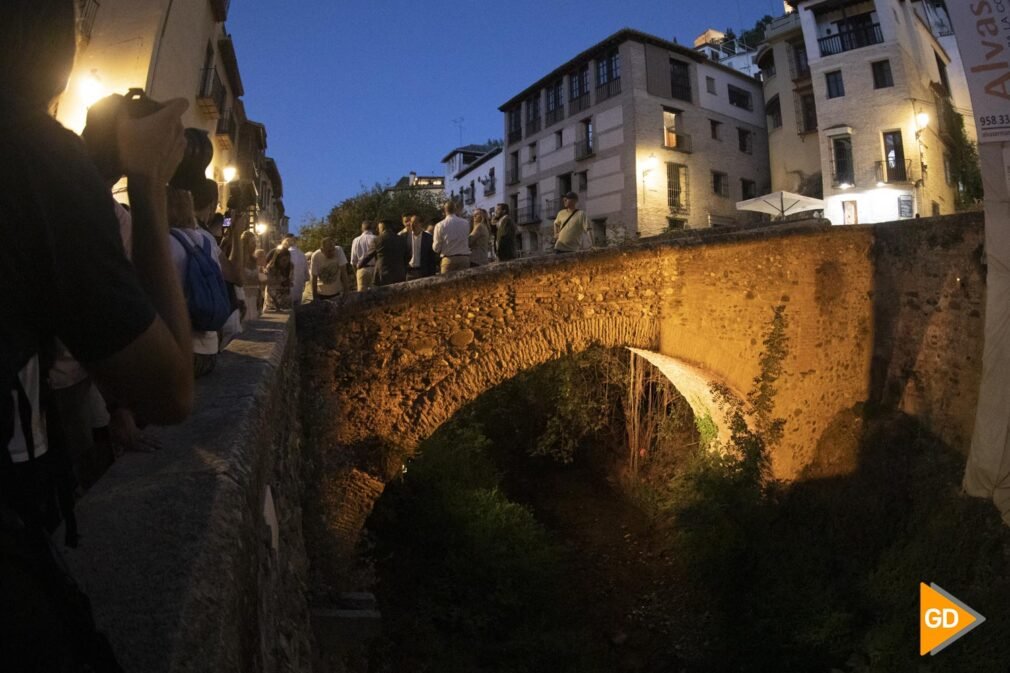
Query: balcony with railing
(784, 24)
(212, 94)
(227, 130)
(672, 140)
(584, 148)
(552, 207)
(577, 105)
(512, 175)
(515, 134)
(851, 38)
(532, 126)
(469, 196)
(608, 89)
(489, 186)
(555, 115)
(86, 18)
(529, 214)
(891, 171)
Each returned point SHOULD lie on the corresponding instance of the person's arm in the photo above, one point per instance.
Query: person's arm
(363, 262)
(153, 375)
(436, 243)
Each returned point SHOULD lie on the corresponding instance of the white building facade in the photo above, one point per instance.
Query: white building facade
(474, 176)
(869, 98)
(652, 136)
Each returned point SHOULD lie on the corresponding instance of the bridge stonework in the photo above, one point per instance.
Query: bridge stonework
(887, 314)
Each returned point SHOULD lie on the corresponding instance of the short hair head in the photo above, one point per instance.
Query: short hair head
(504, 207)
(450, 207)
(367, 225)
(204, 194)
(38, 39)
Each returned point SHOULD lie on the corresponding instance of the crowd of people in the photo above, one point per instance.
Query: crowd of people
(111, 312)
(390, 252)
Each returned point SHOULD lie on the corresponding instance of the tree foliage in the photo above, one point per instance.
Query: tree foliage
(965, 172)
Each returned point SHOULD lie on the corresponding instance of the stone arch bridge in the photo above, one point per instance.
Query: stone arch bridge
(887, 314)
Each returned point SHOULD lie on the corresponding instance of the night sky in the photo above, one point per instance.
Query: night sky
(355, 92)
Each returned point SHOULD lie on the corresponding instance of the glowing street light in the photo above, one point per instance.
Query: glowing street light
(229, 173)
(922, 119)
(91, 88)
(261, 228)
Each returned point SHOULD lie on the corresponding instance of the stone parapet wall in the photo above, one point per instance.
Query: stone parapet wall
(193, 556)
(929, 322)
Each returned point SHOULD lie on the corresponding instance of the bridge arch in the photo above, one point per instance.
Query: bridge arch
(387, 367)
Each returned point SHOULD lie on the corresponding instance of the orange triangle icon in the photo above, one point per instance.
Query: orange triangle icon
(942, 619)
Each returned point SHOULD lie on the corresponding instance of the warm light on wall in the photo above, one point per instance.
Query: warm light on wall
(649, 165)
(922, 119)
(91, 89)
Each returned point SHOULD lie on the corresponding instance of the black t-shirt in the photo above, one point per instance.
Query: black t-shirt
(63, 270)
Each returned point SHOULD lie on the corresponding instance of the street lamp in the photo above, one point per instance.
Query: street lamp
(91, 88)
(229, 173)
(261, 229)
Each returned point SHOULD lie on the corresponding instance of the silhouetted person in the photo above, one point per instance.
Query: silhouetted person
(423, 260)
(65, 275)
(392, 255)
(506, 236)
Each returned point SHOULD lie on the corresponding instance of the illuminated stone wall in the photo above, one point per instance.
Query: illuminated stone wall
(875, 315)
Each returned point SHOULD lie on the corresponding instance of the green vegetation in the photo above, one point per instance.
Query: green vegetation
(469, 580)
(965, 170)
(747, 574)
(377, 203)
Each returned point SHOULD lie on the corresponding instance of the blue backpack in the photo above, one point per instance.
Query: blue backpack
(203, 285)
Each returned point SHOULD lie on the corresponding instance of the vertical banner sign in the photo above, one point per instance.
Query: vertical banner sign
(982, 28)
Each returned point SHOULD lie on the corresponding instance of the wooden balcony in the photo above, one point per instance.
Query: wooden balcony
(212, 95)
(854, 38)
(86, 18)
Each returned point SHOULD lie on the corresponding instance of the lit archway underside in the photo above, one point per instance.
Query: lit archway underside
(695, 385)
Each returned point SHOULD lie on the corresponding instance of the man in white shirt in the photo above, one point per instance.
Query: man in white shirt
(361, 248)
(571, 233)
(452, 240)
(300, 274)
(328, 269)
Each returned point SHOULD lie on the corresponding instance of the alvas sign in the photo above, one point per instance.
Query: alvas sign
(983, 38)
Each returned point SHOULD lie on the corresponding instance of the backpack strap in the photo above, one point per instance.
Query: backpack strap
(567, 219)
(185, 241)
(207, 250)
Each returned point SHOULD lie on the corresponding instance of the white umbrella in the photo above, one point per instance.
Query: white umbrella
(781, 204)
